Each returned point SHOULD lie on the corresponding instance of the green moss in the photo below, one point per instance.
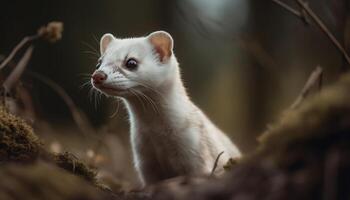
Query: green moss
(17, 140)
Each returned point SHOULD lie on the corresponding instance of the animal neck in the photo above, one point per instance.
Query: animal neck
(165, 105)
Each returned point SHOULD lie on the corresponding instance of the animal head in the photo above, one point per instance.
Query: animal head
(134, 64)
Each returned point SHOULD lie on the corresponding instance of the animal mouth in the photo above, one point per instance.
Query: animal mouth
(108, 89)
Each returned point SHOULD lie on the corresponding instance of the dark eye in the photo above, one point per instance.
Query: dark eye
(98, 65)
(131, 64)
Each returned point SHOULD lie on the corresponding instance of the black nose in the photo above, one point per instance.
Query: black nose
(99, 77)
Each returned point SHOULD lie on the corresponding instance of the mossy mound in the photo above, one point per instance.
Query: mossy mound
(305, 155)
(72, 164)
(17, 141)
(19, 144)
(42, 181)
(321, 123)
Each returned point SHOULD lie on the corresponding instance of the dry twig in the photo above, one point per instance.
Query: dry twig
(24, 41)
(216, 164)
(52, 32)
(314, 80)
(78, 116)
(306, 10)
(289, 8)
(324, 28)
(18, 70)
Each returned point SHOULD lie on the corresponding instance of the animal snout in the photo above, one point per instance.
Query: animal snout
(99, 77)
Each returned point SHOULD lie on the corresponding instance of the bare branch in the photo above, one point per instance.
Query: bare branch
(314, 80)
(289, 8)
(324, 28)
(216, 163)
(24, 41)
(306, 10)
(18, 70)
(51, 32)
(78, 116)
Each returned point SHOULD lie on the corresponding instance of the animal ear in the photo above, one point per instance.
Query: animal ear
(162, 43)
(104, 42)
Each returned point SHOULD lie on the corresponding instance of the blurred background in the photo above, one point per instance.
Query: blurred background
(243, 62)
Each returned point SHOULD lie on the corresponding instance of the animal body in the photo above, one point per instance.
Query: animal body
(170, 135)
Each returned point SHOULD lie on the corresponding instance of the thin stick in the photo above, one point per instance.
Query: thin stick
(324, 28)
(289, 8)
(79, 118)
(24, 41)
(18, 70)
(216, 163)
(307, 10)
(315, 79)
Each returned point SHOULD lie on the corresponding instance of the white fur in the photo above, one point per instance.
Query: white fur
(170, 136)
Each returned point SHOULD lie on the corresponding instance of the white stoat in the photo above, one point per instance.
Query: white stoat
(170, 136)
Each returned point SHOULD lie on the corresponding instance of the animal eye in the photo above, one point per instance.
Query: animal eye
(131, 64)
(98, 65)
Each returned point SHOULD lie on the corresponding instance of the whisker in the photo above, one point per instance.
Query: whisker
(88, 83)
(96, 40)
(86, 78)
(149, 87)
(153, 103)
(84, 74)
(91, 48)
(91, 53)
(95, 98)
(135, 94)
(118, 82)
(93, 94)
(93, 58)
(150, 101)
(100, 96)
(116, 111)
